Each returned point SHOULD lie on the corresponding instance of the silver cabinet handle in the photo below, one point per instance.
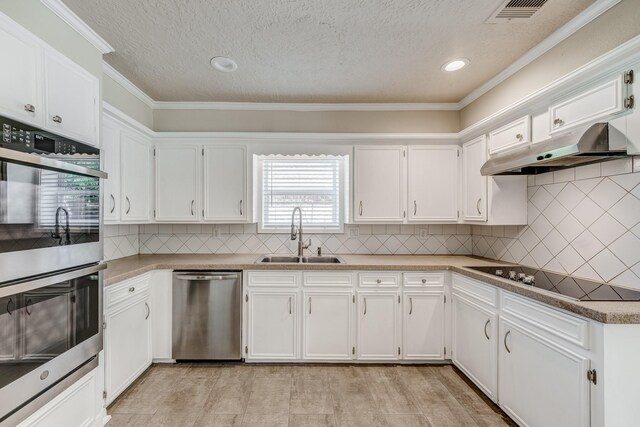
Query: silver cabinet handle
(241, 208)
(10, 310)
(26, 307)
(410, 306)
(485, 329)
(505, 342)
(193, 202)
(57, 119)
(128, 205)
(309, 305)
(478, 206)
(519, 137)
(148, 310)
(29, 108)
(365, 306)
(378, 281)
(424, 281)
(132, 289)
(558, 122)
(415, 207)
(290, 302)
(113, 204)
(360, 207)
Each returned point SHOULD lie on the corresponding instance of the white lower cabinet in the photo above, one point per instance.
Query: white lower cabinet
(378, 324)
(542, 382)
(474, 338)
(328, 325)
(127, 336)
(423, 326)
(272, 326)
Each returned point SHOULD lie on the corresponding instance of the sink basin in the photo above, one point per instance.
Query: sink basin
(283, 259)
(328, 259)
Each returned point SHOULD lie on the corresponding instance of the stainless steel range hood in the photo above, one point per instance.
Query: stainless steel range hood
(597, 143)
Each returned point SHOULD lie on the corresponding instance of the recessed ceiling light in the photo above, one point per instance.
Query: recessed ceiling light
(455, 65)
(224, 64)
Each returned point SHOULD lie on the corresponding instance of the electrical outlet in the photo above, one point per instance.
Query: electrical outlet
(423, 234)
(354, 231)
(216, 232)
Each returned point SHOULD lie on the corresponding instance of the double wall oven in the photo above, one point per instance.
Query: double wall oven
(50, 269)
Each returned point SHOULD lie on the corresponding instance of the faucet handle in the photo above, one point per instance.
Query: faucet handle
(308, 245)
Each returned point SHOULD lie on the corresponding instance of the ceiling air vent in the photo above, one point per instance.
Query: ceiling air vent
(515, 9)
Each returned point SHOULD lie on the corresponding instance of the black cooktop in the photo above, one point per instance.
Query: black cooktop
(572, 287)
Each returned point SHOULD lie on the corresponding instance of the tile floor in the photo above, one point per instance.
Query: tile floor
(307, 395)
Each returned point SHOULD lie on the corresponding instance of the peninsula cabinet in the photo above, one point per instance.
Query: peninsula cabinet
(177, 183)
(379, 184)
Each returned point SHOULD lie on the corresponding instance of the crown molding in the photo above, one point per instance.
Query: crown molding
(74, 21)
(564, 32)
(115, 75)
(277, 106)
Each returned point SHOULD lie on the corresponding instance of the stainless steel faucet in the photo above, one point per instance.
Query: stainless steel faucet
(296, 232)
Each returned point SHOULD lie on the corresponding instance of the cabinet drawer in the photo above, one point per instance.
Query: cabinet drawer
(476, 290)
(562, 325)
(420, 280)
(273, 279)
(380, 280)
(511, 135)
(328, 279)
(589, 106)
(127, 290)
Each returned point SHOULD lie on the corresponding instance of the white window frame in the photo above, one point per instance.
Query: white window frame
(286, 229)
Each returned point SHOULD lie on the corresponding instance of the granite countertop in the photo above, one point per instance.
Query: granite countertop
(624, 312)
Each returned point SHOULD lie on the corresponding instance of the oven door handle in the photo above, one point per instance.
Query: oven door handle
(18, 288)
(46, 163)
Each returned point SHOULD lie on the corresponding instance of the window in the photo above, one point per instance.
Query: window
(315, 183)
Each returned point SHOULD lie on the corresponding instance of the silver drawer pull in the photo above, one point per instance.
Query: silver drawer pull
(558, 122)
(378, 281)
(132, 289)
(519, 137)
(57, 119)
(29, 108)
(424, 281)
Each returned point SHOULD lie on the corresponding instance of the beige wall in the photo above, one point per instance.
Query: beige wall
(39, 19)
(309, 121)
(614, 27)
(116, 95)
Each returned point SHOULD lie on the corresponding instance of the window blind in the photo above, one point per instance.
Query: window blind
(313, 183)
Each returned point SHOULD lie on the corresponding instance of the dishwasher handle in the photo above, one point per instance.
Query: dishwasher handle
(196, 277)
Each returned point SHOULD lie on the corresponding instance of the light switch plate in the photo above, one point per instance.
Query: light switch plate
(354, 231)
(424, 234)
(216, 231)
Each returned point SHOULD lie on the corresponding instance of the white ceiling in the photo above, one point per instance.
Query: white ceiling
(314, 50)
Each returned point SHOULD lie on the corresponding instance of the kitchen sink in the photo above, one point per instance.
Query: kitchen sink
(280, 259)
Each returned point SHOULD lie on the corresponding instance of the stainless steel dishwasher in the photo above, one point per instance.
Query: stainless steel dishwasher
(207, 315)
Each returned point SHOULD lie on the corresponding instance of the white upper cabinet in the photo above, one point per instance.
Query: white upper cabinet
(433, 183)
(71, 95)
(178, 182)
(509, 136)
(135, 175)
(595, 104)
(20, 93)
(225, 183)
(379, 184)
(474, 186)
(110, 155)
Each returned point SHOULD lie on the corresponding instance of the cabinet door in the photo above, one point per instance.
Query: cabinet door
(433, 183)
(127, 345)
(8, 329)
(21, 93)
(225, 183)
(509, 136)
(272, 329)
(110, 155)
(328, 325)
(71, 96)
(474, 185)
(541, 383)
(378, 321)
(423, 326)
(475, 350)
(178, 182)
(135, 173)
(590, 106)
(379, 184)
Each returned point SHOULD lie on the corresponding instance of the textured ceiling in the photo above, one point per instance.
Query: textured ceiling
(314, 50)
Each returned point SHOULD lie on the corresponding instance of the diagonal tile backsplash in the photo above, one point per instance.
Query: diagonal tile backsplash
(583, 221)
